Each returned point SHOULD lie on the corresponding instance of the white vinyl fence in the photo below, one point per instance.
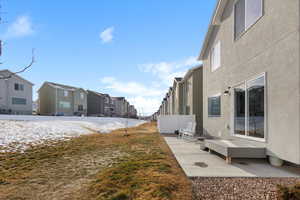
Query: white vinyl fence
(171, 123)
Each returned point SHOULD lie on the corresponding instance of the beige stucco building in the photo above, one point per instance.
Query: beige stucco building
(58, 99)
(15, 94)
(251, 75)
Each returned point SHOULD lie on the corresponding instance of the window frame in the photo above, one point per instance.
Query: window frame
(212, 56)
(63, 103)
(66, 93)
(245, 83)
(17, 98)
(18, 87)
(235, 38)
(208, 111)
(81, 95)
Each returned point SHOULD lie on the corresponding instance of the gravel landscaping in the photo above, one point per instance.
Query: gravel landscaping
(238, 188)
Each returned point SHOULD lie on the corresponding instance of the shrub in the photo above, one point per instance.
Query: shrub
(289, 193)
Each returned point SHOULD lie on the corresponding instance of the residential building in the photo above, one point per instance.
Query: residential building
(95, 104)
(109, 107)
(119, 103)
(192, 99)
(132, 112)
(58, 99)
(15, 94)
(178, 96)
(251, 75)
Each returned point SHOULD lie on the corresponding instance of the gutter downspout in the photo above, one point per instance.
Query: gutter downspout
(55, 101)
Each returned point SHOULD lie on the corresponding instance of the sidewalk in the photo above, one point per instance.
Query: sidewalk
(198, 163)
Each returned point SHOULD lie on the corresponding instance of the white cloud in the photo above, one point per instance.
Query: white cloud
(144, 105)
(107, 35)
(167, 71)
(147, 98)
(129, 88)
(20, 28)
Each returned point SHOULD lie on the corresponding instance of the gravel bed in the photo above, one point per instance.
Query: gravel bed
(238, 188)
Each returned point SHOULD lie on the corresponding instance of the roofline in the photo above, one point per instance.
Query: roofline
(215, 21)
(62, 85)
(190, 72)
(16, 75)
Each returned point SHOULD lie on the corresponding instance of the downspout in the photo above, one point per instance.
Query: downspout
(56, 101)
(7, 97)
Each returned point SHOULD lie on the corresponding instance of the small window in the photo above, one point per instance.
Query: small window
(16, 86)
(19, 87)
(247, 12)
(64, 105)
(80, 107)
(216, 56)
(18, 101)
(214, 106)
(66, 93)
(81, 95)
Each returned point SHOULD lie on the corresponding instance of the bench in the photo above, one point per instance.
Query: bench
(235, 149)
(189, 131)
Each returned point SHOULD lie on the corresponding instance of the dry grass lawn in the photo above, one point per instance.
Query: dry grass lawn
(116, 166)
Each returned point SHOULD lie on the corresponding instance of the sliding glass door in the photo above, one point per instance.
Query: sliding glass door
(240, 110)
(249, 108)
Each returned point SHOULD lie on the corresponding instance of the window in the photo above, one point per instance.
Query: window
(216, 56)
(247, 12)
(19, 87)
(81, 95)
(18, 101)
(80, 107)
(249, 108)
(214, 106)
(66, 93)
(64, 104)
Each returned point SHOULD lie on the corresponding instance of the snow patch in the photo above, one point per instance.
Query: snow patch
(19, 132)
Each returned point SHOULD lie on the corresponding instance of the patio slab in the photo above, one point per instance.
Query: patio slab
(189, 156)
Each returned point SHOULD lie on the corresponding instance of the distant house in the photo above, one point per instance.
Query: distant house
(58, 99)
(132, 112)
(119, 104)
(109, 107)
(192, 95)
(178, 96)
(95, 103)
(171, 99)
(15, 94)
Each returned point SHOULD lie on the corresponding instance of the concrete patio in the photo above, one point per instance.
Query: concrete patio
(198, 163)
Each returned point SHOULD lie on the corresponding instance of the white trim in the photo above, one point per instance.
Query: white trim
(264, 74)
(213, 96)
(246, 27)
(213, 65)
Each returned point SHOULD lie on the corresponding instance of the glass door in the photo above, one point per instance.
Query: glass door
(256, 107)
(239, 110)
(249, 108)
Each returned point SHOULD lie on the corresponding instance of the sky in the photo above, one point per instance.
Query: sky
(130, 48)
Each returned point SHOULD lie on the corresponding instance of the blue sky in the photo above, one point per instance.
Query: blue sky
(130, 48)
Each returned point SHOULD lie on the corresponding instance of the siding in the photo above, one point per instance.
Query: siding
(271, 46)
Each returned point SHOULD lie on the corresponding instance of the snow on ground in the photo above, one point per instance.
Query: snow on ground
(18, 132)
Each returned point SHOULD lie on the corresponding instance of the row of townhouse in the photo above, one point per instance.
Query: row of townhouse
(250, 77)
(185, 97)
(57, 99)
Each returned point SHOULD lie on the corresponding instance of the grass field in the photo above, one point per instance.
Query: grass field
(116, 166)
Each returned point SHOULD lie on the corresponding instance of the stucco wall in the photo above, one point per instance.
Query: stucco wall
(271, 46)
(7, 92)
